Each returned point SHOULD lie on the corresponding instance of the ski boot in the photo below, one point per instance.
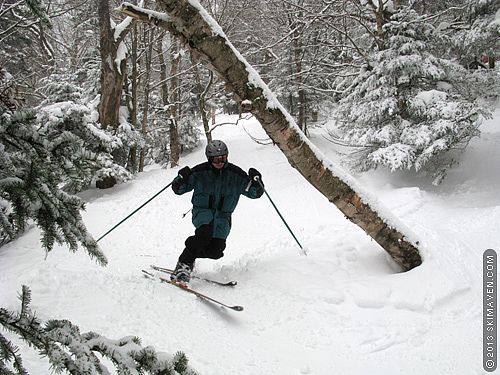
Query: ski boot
(182, 273)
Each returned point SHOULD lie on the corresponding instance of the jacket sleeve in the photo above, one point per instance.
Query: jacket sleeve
(179, 186)
(253, 189)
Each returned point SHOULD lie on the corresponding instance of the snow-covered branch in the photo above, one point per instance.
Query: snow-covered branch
(70, 351)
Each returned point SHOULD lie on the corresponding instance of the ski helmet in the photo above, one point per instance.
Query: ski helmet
(216, 148)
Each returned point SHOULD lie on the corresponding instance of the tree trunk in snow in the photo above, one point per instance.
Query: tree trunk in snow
(187, 22)
(298, 56)
(148, 39)
(173, 113)
(201, 94)
(133, 99)
(111, 74)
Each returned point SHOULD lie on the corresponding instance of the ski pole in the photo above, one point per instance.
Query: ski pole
(281, 216)
(145, 203)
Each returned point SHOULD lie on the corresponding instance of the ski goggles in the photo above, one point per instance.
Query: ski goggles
(219, 159)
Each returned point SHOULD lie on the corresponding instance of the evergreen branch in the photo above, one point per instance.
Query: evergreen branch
(181, 362)
(39, 160)
(9, 353)
(5, 370)
(70, 351)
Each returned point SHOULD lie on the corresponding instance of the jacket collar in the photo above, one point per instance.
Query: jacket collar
(218, 170)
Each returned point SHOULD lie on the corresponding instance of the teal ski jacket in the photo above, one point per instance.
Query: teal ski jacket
(216, 193)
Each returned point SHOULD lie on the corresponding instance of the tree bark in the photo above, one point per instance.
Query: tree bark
(175, 149)
(201, 94)
(163, 72)
(133, 98)
(111, 74)
(148, 37)
(298, 56)
(191, 25)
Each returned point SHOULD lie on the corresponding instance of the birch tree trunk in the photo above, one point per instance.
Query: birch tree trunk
(199, 31)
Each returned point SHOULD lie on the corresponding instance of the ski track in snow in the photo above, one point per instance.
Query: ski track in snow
(343, 309)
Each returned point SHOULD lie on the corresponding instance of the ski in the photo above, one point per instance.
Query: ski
(169, 271)
(187, 289)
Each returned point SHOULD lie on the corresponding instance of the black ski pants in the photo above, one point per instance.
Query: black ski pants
(203, 245)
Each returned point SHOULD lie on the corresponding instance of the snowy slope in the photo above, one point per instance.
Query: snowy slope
(343, 309)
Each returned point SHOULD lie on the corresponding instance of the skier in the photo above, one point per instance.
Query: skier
(217, 186)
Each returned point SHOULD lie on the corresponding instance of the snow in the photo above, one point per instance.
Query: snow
(343, 309)
(121, 27)
(431, 96)
(386, 4)
(152, 14)
(121, 54)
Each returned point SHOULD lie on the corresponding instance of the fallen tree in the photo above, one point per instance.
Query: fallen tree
(192, 24)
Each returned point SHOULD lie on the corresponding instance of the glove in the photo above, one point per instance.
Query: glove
(253, 174)
(184, 173)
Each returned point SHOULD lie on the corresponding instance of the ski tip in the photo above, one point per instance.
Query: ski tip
(237, 308)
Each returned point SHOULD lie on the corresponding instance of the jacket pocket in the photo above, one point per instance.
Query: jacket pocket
(230, 202)
(201, 200)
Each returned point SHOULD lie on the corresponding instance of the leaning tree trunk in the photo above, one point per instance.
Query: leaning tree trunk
(199, 31)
